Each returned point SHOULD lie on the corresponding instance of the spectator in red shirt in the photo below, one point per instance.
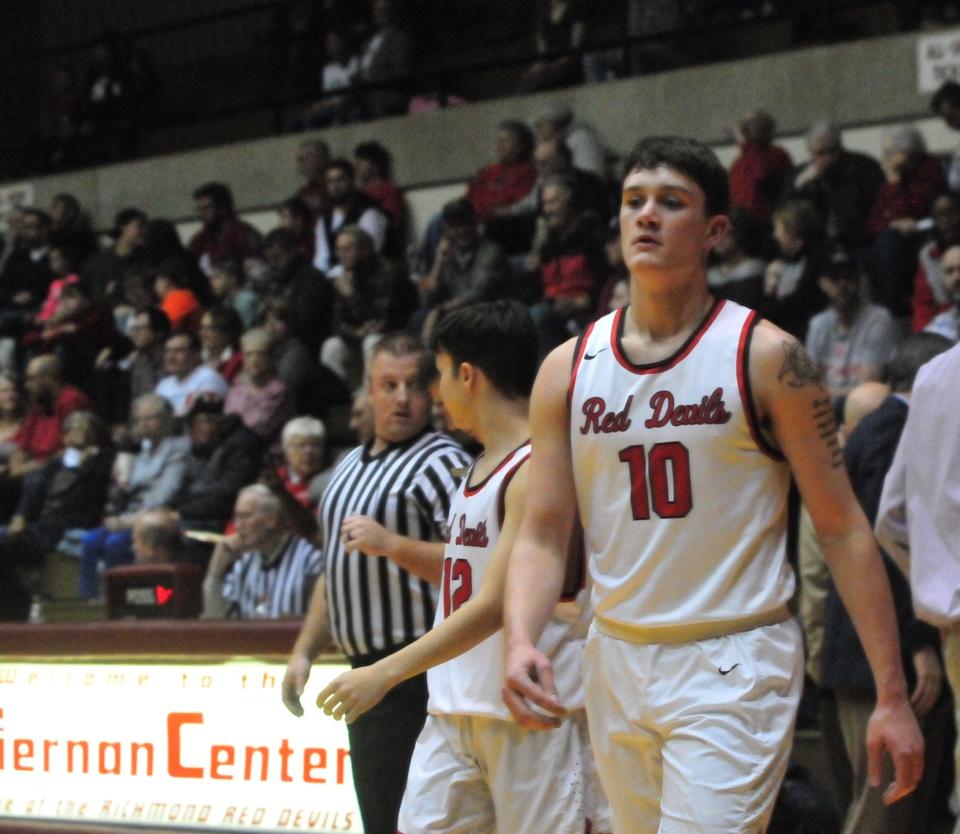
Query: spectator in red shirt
(223, 234)
(40, 435)
(568, 254)
(511, 176)
(758, 176)
(374, 168)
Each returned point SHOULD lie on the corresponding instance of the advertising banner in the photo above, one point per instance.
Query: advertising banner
(171, 745)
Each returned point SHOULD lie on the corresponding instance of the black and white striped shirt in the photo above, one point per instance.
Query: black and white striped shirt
(282, 589)
(373, 604)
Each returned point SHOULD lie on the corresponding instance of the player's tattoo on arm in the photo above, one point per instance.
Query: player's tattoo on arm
(798, 369)
(826, 427)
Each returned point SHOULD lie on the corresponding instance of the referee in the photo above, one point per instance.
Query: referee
(382, 518)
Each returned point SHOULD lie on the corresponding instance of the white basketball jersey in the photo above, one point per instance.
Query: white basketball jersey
(470, 684)
(683, 505)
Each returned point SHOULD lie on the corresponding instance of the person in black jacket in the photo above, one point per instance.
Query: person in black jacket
(845, 672)
(225, 456)
(69, 491)
(309, 294)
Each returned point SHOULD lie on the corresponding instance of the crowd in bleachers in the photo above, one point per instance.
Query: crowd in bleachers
(843, 251)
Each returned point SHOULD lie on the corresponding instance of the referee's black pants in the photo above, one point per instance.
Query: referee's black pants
(381, 744)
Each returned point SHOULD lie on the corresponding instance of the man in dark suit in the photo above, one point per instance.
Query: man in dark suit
(868, 453)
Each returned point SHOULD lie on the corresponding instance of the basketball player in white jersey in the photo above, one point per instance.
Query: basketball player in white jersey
(473, 769)
(673, 426)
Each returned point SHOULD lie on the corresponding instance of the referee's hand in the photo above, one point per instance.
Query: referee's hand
(294, 682)
(529, 685)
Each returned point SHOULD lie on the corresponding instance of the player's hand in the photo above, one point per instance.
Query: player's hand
(929, 680)
(364, 534)
(529, 683)
(294, 681)
(351, 694)
(893, 727)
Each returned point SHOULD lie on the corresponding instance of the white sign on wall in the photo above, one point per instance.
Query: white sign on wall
(177, 746)
(938, 60)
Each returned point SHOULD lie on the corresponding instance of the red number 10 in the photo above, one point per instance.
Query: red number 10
(457, 569)
(652, 469)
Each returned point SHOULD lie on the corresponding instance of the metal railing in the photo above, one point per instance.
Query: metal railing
(248, 72)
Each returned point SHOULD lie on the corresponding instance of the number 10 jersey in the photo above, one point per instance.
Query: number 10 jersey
(683, 502)
(470, 684)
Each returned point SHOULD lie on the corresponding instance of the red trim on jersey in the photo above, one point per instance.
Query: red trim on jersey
(470, 491)
(743, 383)
(577, 359)
(502, 494)
(616, 335)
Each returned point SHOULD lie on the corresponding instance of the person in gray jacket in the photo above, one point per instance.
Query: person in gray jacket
(144, 481)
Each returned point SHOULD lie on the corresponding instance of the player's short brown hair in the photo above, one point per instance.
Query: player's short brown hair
(689, 157)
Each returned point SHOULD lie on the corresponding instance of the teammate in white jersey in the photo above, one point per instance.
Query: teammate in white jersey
(473, 769)
(673, 426)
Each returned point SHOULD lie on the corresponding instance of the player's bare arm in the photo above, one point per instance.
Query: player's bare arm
(793, 401)
(538, 562)
(422, 559)
(314, 636)
(351, 694)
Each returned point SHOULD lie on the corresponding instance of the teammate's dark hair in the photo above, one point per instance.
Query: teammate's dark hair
(691, 158)
(915, 350)
(499, 337)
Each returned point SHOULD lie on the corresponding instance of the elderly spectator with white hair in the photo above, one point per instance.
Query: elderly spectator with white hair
(304, 443)
(259, 396)
(262, 570)
(914, 180)
(842, 184)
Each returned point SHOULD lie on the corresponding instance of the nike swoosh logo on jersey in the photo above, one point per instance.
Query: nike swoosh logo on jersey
(727, 671)
(589, 356)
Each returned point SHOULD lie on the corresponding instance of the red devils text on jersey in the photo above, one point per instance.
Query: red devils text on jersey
(683, 503)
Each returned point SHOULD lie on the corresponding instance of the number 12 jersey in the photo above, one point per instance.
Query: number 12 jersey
(470, 684)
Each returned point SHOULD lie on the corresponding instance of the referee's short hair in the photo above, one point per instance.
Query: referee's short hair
(398, 344)
(499, 337)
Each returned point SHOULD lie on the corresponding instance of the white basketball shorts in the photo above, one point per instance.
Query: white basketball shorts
(693, 738)
(477, 775)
